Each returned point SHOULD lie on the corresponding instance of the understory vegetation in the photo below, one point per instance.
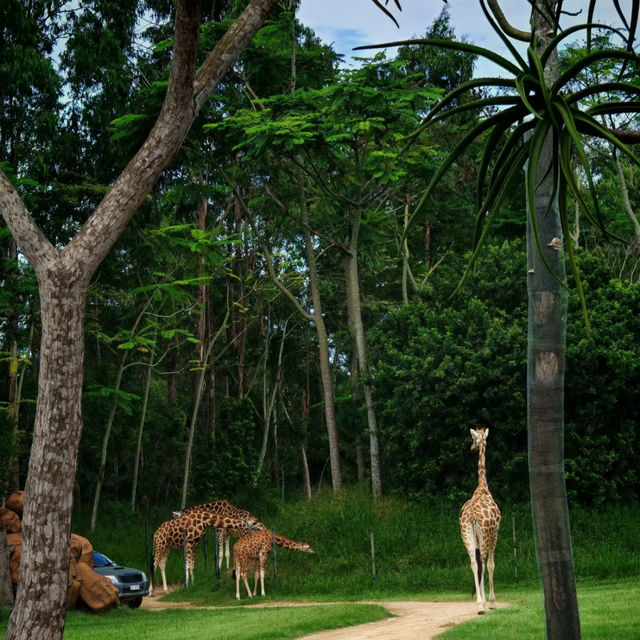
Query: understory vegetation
(418, 549)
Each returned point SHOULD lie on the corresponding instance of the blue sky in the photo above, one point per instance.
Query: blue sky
(349, 23)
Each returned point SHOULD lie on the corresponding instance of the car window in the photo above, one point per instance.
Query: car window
(100, 560)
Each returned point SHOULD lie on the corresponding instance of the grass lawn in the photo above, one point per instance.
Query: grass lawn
(608, 611)
(224, 624)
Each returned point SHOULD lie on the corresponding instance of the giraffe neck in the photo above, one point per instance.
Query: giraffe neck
(286, 543)
(213, 519)
(482, 470)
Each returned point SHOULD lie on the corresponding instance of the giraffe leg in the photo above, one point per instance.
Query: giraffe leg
(490, 567)
(191, 557)
(475, 560)
(246, 582)
(256, 573)
(163, 564)
(237, 570)
(263, 562)
(221, 549)
(227, 539)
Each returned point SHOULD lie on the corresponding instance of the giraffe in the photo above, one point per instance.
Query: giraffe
(252, 552)
(479, 525)
(224, 535)
(170, 535)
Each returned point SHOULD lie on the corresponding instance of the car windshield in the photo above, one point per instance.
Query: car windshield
(100, 560)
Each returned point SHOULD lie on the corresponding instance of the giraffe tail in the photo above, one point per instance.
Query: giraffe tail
(479, 563)
(478, 553)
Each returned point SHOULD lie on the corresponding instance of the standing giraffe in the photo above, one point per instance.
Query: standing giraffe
(479, 525)
(171, 535)
(253, 551)
(224, 535)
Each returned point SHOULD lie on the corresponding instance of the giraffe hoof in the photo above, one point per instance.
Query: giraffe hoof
(480, 612)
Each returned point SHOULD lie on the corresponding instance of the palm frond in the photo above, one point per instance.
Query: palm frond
(449, 44)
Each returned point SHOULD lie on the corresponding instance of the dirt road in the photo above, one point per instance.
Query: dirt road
(423, 620)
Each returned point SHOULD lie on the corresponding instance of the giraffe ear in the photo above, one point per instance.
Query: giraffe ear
(486, 433)
(474, 433)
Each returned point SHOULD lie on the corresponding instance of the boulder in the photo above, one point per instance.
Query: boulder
(97, 591)
(81, 550)
(15, 502)
(10, 520)
(75, 584)
(14, 542)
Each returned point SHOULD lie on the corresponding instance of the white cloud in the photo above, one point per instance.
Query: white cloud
(350, 23)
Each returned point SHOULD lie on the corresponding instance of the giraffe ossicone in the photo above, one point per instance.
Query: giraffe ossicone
(479, 525)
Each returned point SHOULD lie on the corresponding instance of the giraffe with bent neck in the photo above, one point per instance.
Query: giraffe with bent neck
(479, 525)
(253, 551)
(171, 535)
(224, 535)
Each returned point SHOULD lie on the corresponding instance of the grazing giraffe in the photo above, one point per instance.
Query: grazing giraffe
(253, 551)
(479, 525)
(225, 535)
(171, 535)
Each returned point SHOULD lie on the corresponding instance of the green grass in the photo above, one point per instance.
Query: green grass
(224, 624)
(607, 611)
(419, 555)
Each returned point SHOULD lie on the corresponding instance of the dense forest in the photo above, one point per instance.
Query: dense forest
(270, 322)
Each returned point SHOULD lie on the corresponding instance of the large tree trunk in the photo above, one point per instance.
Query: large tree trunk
(46, 521)
(13, 399)
(545, 382)
(63, 276)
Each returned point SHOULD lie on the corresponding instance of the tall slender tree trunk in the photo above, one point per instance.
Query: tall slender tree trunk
(355, 395)
(306, 478)
(545, 383)
(354, 312)
(105, 443)
(143, 418)
(323, 342)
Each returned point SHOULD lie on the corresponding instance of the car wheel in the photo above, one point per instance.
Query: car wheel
(135, 603)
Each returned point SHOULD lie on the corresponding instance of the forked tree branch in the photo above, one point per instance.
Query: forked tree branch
(505, 25)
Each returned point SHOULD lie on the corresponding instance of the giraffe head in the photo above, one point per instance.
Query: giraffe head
(479, 437)
(304, 546)
(253, 524)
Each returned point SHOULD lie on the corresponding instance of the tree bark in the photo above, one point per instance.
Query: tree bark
(46, 522)
(354, 312)
(143, 418)
(545, 383)
(105, 444)
(323, 342)
(63, 276)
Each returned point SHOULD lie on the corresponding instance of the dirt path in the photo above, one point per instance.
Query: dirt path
(423, 620)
